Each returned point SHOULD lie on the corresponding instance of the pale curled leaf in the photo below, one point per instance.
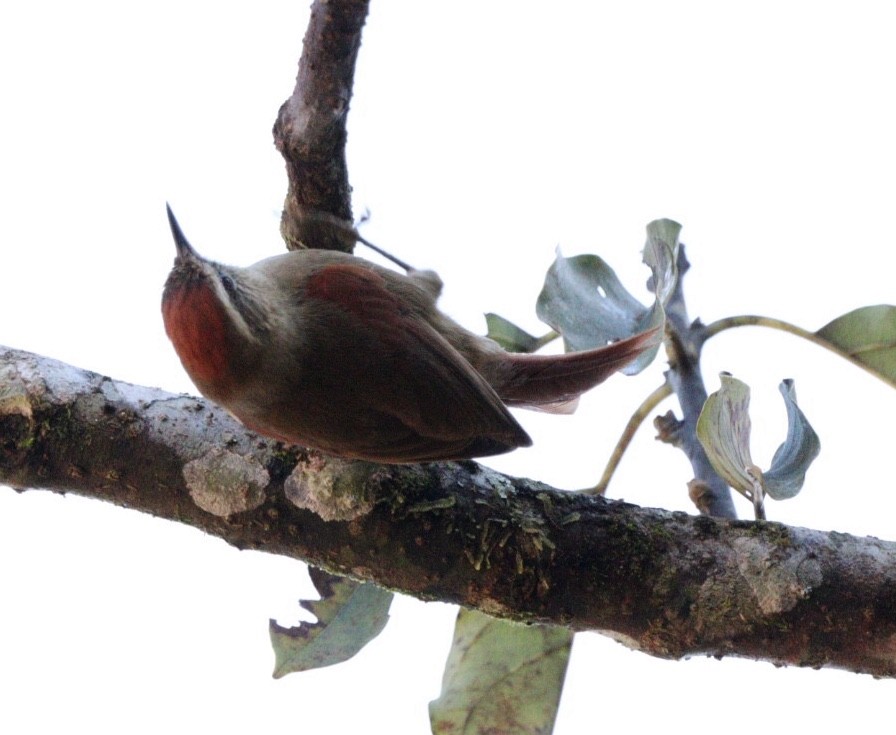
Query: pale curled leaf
(349, 615)
(585, 302)
(867, 336)
(501, 677)
(661, 256)
(784, 479)
(723, 429)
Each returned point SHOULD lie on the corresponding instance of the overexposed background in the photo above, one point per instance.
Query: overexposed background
(482, 136)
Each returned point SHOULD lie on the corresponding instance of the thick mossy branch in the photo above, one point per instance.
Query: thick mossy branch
(667, 583)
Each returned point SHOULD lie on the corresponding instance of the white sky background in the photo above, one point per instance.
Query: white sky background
(482, 135)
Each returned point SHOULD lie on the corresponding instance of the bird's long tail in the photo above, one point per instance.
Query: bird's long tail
(554, 382)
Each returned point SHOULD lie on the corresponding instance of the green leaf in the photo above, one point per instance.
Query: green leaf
(509, 335)
(866, 336)
(584, 301)
(723, 429)
(785, 477)
(349, 615)
(501, 678)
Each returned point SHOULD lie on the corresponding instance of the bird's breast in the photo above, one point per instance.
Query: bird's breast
(197, 325)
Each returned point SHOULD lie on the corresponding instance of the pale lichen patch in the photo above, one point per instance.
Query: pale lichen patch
(778, 582)
(224, 483)
(14, 401)
(334, 489)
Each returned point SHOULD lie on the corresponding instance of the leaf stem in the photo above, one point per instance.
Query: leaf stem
(752, 320)
(648, 405)
(545, 339)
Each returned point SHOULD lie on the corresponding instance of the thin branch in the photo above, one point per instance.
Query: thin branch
(686, 380)
(648, 405)
(668, 584)
(386, 254)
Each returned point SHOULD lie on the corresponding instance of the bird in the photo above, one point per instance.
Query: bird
(327, 350)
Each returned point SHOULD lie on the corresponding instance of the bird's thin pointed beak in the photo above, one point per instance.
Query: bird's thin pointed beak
(184, 249)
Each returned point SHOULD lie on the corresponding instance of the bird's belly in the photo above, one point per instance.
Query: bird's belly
(329, 425)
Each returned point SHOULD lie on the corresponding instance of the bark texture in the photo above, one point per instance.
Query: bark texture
(310, 129)
(669, 584)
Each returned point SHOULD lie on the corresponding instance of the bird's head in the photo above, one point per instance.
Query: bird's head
(212, 316)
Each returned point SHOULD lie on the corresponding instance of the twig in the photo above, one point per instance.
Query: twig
(647, 407)
(751, 320)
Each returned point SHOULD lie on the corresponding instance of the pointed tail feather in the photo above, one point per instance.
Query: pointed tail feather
(553, 382)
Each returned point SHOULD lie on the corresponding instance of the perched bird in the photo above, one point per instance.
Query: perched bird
(327, 350)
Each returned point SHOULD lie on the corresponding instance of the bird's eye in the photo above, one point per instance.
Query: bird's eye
(229, 286)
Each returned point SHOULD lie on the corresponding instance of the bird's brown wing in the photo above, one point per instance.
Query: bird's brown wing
(427, 400)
